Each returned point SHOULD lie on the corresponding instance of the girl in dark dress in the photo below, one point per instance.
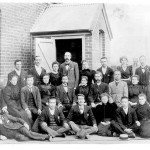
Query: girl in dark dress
(87, 72)
(126, 71)
(134, 90)
(12, 98)
(143, 115)
(83, 88)
(46, 90)
(106, 113)
(55, 76)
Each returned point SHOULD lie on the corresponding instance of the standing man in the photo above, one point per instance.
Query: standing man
(144, 72)
(19, 73)
(70, 69)
(37, 71)
(106, 71)
(118, 88)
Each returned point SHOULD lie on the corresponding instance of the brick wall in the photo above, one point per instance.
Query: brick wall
(16, 21)
(100, 41)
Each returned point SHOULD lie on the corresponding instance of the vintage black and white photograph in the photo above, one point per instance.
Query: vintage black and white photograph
(74, 73)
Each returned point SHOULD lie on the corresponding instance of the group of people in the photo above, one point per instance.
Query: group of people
(41, 106)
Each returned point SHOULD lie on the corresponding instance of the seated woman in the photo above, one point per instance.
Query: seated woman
(12, 100)
(143, 115)
(46, 90)
(55, 76)
(126, 71)
(83, 88)
(134, 90)
(106, 113)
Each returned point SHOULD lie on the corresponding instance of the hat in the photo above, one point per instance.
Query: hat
(123, 136)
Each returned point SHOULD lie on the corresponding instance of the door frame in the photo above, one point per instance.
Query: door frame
(72, 37)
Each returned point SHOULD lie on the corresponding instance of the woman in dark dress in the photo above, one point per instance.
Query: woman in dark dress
(87, 72)
(83, 88)
(55, 76)
(46, 90)
(143, 115)
(106, 113)
(12, 98)
(126, 71)
(134, 90)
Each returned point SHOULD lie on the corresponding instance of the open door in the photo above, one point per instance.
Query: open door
(46, 49)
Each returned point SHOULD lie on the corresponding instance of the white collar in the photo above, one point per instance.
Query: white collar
(125, 110)
(52, 111)
(18, 71)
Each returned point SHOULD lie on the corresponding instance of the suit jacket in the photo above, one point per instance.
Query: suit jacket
(126, 121)
(61, 94)
(21, 79)
(118, 91)
(2, 101)
(37, 77)
(11, 122)
(108, 76)
(144, 78)
(45, 116)
(25, 97)
(73, 73)
(96, 91)
(74, 115)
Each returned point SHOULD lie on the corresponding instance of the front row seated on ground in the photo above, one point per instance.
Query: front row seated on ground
(52, 123)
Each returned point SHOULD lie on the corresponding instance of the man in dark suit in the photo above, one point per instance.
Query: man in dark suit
(37, 71)
(19, 73)
(97, 89)
(81, 118)
(31, 99)
(17, 128)
(52, 120)
(144, 72)
(126, 119)
(70, 69)
(106, 71)
(65, 96)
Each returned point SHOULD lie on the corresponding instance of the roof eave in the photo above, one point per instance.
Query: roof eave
(107, 22)
(60, 32)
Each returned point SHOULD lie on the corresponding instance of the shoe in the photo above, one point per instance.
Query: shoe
(87, 136)
(64, 135)
(132, 135)
(50, 138)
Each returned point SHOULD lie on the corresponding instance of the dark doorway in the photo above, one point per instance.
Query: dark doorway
(74, 46)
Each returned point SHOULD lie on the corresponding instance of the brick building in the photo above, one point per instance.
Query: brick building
(51, 29)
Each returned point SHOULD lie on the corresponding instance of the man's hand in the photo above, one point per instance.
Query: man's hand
(44, 124)
(26, 125)
(95, 126)
(103, 123)
(60, 105)
(128, 131)
(93, 105)
(39, 111)
(138, 123)
(66, 125)
(29, 113)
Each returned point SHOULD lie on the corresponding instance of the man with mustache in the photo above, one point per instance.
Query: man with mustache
(70, 69)
(96, 90)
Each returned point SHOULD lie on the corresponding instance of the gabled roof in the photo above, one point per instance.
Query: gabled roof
(68, 17)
